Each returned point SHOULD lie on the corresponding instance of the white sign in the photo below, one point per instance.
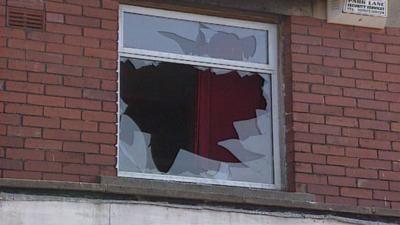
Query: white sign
(367, 7)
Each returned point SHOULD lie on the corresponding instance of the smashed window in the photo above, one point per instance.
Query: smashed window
(185, 117)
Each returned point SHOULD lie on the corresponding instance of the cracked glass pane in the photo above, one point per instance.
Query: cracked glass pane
(195, 38)
(191, 121)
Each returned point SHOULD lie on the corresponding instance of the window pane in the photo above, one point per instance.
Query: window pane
(191, 121)
(195, 38)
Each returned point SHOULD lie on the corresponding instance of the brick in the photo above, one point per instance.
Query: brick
(64, 70)
(378, 38)
(352, 54)
(300, 107)
(373, 124)
(342, 181)
(302, 168)
(302, 147)
(82, 21)
(24, 87)
(108, 128)
(310, 179)
(387, 155)
(99, 138)
(46, 100)
(42, 166)
(43, 57)
(63, 29)
(303, 58)
(99, 116)
(344, 141)
(328, 149)
(336, 43)
(100, 160)
(310, 158)
(44, 78)
(64, 49)
(387, 196)
(13, 53)
(323, 32)
(100, 95)
(302, 20)
(393, 49)
(81, 169)
(307, 40)
(325, 129)
(356, 193)
(323, 89)
(388, 116)
(323, 189)
(10, 119)
(99, 33)
(81, 61)
(302, 77)
(387, 77)
(372, 85)
(82, 82)
(69, 157)
(393, 68)
(63, 91)
(43, 144)
(368, 46)
(65, 135)
(45, 37)
(328, 170)
(394, 107)
(83, 104)
(361, 173)
(108, 150)
(100, 13)
(8, 74)
(308, 98)
(341, 200)
(328, 110)
(373, 66)
(10, 164)
(80, 147)
(41, 122)
(78, 125)
(22, 175)
(389, 175)
(60, 177)
(387, 136)
(359, 74)
(26, 44)
(26, 65)
(386, 58)
(375, 164)
(338, 81)
(338, 62)
(24, 131)
(341, 121)
(375, 144)
(373, 184)
(24, 109)
(101, 53)
(13, 97)
(371, 104)
(82, 41)
(92, 3)
(342, 161)
(22, 154)
(394, 87)
(361, 153)
(11, 141)
(62, 113)
(55, 17)
(354, 132)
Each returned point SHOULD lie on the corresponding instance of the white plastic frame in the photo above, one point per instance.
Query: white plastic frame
(270, 68)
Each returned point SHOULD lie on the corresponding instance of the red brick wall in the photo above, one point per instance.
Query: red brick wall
(57, 99)
(346, 112)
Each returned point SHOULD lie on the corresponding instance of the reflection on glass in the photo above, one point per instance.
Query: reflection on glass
(193, 121)
(195, 38)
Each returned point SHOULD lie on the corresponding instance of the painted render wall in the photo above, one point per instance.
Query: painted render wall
(342, 97)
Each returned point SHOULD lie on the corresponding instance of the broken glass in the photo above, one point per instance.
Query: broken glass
(191, 121)
(195, 38)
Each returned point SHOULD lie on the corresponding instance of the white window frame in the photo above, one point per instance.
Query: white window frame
(270, 68)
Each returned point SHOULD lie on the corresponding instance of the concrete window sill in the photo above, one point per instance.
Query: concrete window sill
(156, 190)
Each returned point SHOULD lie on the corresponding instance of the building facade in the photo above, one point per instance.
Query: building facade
(200, 112)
